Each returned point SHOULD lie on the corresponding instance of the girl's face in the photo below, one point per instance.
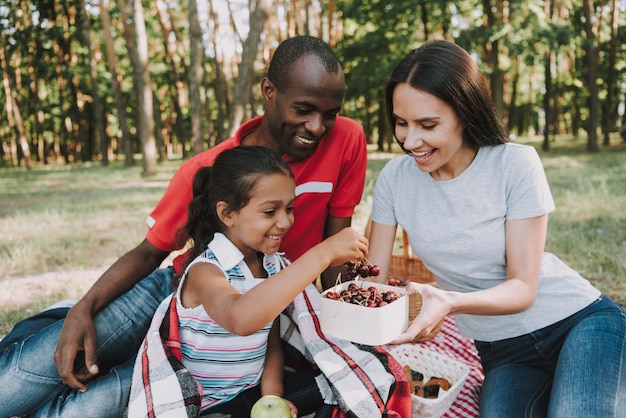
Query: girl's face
(429, 129)
(261, 225)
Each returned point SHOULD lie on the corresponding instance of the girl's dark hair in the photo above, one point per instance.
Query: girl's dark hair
(449, 73)
(232, 177)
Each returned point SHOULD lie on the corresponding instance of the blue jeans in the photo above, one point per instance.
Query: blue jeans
(29, 381)
(573, 368)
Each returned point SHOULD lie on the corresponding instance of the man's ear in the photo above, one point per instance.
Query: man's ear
(224, 213)
(268, 90)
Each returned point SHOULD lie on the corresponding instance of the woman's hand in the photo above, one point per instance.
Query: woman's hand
(435, 307)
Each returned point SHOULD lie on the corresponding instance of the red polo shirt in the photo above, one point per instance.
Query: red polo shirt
(328, 183)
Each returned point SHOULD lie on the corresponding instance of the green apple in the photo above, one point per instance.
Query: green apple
(270, 406)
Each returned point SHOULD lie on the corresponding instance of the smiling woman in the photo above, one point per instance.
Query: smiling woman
(475, 207)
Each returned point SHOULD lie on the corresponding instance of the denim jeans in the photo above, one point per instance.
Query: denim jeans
(29, 381)
(573, 368)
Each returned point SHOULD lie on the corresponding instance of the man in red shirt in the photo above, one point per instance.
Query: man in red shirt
(100, 336)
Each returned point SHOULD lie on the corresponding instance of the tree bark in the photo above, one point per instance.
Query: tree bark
(120, 104)
(179, 94)
(194, 76)
(246, 68)
(547, 99)
(221, 87)
(13, 110)
(138, 54)
(607, 112)
(591, 57)
(98, 116)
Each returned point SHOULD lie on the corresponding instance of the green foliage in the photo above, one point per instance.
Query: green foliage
(48, 68)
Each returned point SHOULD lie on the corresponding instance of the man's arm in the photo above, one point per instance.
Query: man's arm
(334, 225)
(78, 333)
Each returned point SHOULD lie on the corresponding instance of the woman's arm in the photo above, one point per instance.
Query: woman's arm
(525, 243)
(382, 238)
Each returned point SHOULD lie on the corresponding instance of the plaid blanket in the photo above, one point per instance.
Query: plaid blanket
(363, 381)
(161, 385)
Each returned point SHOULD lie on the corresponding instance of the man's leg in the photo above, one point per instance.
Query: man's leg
(28, 375)
(107, 396)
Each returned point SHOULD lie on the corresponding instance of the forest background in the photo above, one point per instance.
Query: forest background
(103, 80)
(102, 99)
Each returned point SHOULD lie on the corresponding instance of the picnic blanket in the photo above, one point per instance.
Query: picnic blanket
(362, 381)
(161, 385)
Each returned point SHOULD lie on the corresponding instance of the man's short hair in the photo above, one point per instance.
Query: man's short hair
(291, 50)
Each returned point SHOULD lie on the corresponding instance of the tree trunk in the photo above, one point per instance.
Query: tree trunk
(492, 51)
(547, 100)
(194, 76)
(120, 104)
(221, 87)
(138, 54)
(246, 68)
(607, 111)
(14, 111)
(179, 94)
(424, 17)
(622, 129)
(98, 116)
(592, 75)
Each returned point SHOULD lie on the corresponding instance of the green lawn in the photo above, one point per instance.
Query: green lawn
(85, 216)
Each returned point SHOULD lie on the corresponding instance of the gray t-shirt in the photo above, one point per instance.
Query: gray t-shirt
(457, 228)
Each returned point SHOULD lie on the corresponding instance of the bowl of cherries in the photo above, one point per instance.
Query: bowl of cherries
(361, 311)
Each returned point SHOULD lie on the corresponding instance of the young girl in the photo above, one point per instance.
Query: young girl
(236, 284)
(475, 208)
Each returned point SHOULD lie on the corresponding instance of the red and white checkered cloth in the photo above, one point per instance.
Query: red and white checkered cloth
(449, 341)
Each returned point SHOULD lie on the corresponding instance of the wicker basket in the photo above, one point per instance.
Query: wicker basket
(430, 364)
(407, 266)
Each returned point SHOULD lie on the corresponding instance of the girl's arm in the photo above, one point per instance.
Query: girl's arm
(525, 243)
(272, 378)
(245, 314)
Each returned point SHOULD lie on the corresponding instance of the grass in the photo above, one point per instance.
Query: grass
(68, 218)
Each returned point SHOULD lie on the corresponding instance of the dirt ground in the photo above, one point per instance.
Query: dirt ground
(18, 292)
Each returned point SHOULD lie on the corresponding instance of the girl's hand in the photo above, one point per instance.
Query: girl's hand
(345, 245)
(435, 307)
(292, 408)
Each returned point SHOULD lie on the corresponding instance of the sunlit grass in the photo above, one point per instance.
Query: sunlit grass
(58, 218)
(55, 218)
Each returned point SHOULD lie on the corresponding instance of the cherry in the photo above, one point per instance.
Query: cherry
(371, 297)
(361, 269)
(364, 270)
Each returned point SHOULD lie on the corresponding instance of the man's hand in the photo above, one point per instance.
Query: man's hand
(75, 356)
